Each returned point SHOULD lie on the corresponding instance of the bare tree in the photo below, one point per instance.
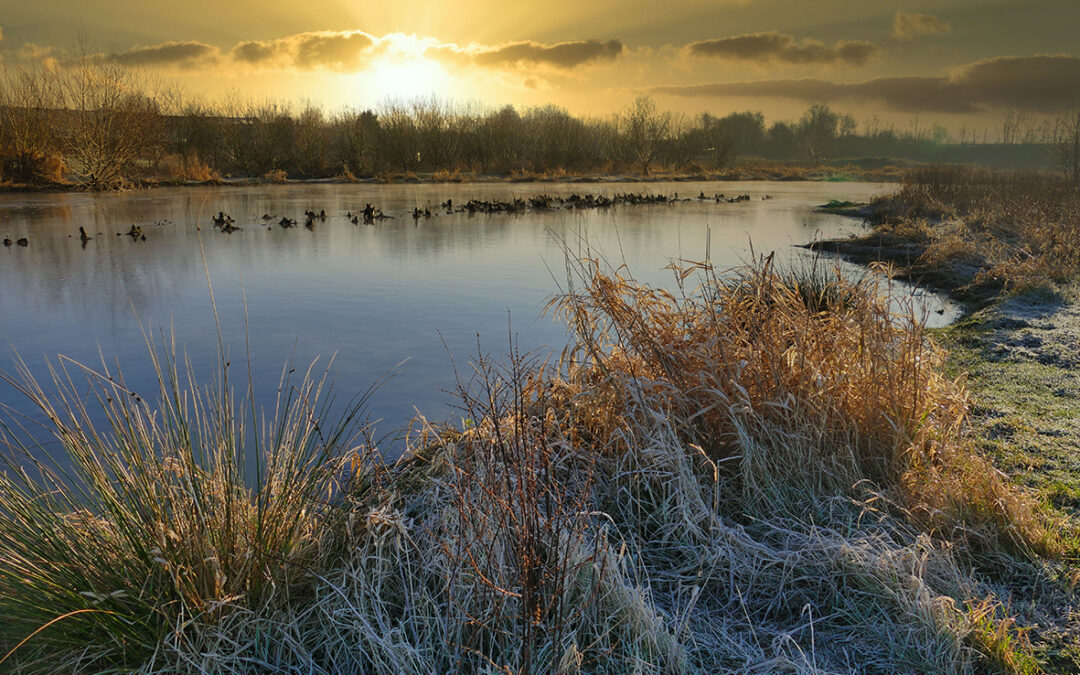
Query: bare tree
(356, 138)
(718, 138)
(817, 131)
(498, 140)
(440, 146)
(111, 118)
(260, 137)
(312, 140)
(400, 137)
(645, 129)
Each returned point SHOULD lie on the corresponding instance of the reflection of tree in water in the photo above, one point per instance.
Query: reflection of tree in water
(114, 275)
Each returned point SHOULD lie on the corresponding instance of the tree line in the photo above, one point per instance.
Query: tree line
(100, 125)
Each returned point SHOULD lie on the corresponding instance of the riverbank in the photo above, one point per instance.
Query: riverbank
(1004, 245)
(747, 171)
(973, 233)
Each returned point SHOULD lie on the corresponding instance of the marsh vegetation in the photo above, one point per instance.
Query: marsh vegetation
(975, 232)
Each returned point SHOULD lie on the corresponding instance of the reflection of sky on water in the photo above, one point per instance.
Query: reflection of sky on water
(372, 295)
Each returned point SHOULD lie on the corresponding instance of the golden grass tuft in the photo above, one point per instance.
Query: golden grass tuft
(832, 394)
(194, 169)
(275, 176)
(169, 513)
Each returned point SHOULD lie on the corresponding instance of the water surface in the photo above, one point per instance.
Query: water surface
(373, 295)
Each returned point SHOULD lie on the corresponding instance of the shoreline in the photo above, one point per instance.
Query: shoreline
(1016, 346)
(768, 173)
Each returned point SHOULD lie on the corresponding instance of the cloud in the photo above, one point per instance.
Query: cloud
(774, 46)
(34, 52)
(907, 26)
(334, 50)
(353, 50)
(559, 55)
(1041, 83)
(562, 55)
(189, 54)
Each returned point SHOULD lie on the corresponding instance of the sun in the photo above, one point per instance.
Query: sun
(404, 77)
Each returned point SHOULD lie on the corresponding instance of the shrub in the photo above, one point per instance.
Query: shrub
(275, 176)
(194, 169)
(32, 168)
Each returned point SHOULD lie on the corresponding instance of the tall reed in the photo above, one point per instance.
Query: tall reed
(145, 515)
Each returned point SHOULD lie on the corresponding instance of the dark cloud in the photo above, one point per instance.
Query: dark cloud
(189, 54)
(338, 50)
(559, 55)
(773, 46)
(1037, 83)
(343, 50)
(1042, 83)
(910, 25)
(254, 52)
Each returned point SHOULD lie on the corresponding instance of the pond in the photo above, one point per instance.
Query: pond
(420, 293)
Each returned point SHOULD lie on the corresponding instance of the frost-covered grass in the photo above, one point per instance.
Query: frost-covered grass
(747, 475)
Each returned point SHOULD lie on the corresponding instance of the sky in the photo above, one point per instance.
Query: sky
(956, 62)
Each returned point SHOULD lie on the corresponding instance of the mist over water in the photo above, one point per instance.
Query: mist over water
(368, 296)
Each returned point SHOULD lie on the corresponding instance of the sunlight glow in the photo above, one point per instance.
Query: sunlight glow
(406, 77)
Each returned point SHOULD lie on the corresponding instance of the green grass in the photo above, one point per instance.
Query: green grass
(1026, 404)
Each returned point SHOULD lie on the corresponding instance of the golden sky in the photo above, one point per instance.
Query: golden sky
(950, 60)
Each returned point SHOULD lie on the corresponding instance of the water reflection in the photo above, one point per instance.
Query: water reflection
(373, 295)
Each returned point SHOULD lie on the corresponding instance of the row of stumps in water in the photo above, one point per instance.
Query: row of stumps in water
(225, 223)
